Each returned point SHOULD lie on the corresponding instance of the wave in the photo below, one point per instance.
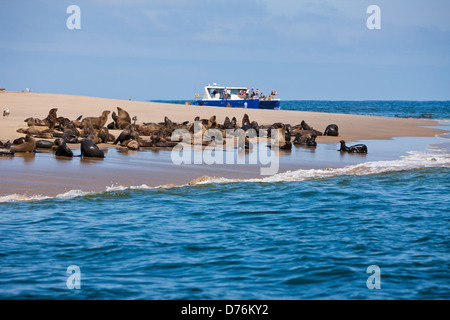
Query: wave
(19, 197)
(433, 156)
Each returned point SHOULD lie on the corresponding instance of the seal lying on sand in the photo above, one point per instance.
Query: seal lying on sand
(308, 139)
(358, 148)
(331, 130)
(127, 134)
(29, 145)
(90, 149)
(44, 144)
(49, 121)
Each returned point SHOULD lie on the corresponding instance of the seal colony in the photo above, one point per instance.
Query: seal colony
(137, 125)
(91, 131)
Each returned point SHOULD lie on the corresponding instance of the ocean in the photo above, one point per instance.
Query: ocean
(402, 109)
(301, 234)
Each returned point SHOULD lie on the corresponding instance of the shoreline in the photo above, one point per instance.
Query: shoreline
(42, 175)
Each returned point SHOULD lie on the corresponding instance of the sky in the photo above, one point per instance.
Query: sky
(170, 49)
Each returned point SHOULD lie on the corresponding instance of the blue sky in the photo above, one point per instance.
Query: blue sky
(306, 50)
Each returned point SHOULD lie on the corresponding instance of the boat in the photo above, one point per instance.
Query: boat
(236, 97)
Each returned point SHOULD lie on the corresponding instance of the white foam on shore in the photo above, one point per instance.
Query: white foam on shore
(19, 197)
(433, 156)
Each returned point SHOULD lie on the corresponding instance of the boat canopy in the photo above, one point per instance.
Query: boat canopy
(215, 92)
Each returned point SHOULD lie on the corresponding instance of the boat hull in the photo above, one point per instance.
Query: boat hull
(269, 104)
(241, 103)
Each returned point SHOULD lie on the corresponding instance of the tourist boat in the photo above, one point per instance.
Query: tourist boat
(236, 97)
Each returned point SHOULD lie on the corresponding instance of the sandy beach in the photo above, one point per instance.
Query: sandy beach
(42, 174)
(351, 127)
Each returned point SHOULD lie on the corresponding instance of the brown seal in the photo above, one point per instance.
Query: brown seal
(29, 145)
(121, 119)
(127, 134)
(97, 122)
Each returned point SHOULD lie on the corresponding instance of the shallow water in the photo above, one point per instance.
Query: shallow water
(31, 176)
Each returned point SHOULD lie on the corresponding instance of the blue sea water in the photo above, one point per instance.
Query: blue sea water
(403, 109)
(300, 235)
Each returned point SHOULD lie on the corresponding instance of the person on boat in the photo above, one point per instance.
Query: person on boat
(225, 93)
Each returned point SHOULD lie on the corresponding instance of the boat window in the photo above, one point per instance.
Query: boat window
(215, 92)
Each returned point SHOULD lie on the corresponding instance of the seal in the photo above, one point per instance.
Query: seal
(227, 124)
(57, 142)
(70, 134)
(308, 139)
(331, 130)
(358, 148)
(169, 123)
(90, 149)
(245, 120)
(105, 136)
(287, 146)
(32, 121)
(18, 140)
(90, 133)
(44, 144)
(303, 126)
(63, 151)
(45, 134)
(127, 134)
(97, 122)
(133, 145)
(29, 145)
(121, 120)
(212, 123)
(50, 121)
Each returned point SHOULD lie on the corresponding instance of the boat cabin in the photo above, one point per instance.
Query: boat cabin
(216, 92)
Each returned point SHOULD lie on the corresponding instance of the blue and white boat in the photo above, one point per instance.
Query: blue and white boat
(236, 97)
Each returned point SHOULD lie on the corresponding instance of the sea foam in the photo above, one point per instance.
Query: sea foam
(433, 156)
